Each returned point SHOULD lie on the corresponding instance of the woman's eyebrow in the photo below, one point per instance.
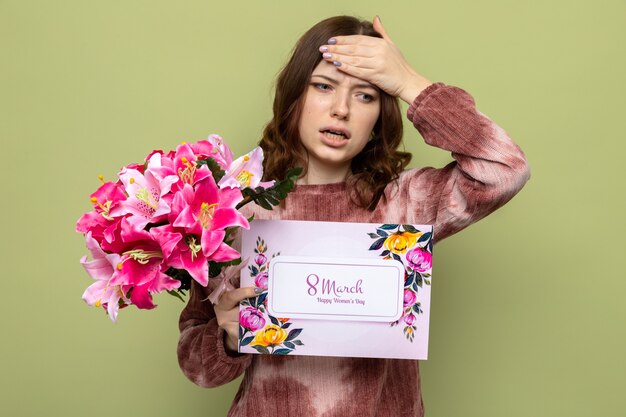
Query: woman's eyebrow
(332, 80)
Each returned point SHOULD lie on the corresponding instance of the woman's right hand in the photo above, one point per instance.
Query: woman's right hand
(376, 60)
(227, 313)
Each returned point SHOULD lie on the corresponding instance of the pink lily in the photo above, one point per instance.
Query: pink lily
(214, 147)
(141, 295)
(101, 293)
(141, 266)
(107, 196)
(246, 171)
(186, 252)
(185, 166)
(206, 213)
(145, 192)
(100, 222)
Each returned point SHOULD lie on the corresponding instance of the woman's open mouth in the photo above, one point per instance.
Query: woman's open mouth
(335, 135)
(334, 138)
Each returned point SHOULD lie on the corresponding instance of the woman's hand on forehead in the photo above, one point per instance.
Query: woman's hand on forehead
(375, 60)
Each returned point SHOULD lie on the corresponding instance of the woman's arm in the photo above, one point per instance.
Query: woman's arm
(202, 355)
(488, 167)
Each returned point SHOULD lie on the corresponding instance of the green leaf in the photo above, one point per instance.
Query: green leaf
(289, 345)
(409, 228)
(373, 235)
(261, 298)
(176, 294)
(216, 267)
(377, 244)
(409, 280)
(418, 279)
(297, 342)
(293, 334)
(216, 170)
(281, 351)
(268, 197)
(246, 341)
(424, 237)
(388, 226)
(181, 275)
(261, 349)
(381, 233)
(261, 201)
(275, 321)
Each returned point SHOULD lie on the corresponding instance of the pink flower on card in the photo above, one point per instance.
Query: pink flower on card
(251, 318)
(419, 259)
(246, 171)
(260, 259)
(409, 319)
(261, 280)
(409, 298)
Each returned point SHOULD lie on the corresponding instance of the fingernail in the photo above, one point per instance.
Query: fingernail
(258, 290)
(323, 48)
(379, 19)
(332, 41)
(337, 63)
(327, 55)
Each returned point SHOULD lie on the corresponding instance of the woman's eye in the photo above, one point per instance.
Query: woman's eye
(367, 97)
(322, 86)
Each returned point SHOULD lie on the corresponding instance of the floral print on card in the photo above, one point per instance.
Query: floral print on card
(414, 249)
(257, 328)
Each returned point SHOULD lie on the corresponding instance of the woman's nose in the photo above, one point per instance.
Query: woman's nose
(340, 106)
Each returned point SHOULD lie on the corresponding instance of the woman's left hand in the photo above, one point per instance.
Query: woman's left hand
(376, 60)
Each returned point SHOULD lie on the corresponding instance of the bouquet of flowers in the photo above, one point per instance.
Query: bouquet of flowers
(171, 219)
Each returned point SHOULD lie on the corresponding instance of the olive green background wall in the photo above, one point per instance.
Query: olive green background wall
(527, 309)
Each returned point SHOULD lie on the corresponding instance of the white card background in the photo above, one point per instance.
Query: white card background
(334, 337)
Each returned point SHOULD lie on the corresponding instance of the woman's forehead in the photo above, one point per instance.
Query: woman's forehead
(328, 71)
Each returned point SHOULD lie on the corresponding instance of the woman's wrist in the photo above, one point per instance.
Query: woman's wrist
(414, 86)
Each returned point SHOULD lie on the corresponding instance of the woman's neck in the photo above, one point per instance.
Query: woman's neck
(317, 175)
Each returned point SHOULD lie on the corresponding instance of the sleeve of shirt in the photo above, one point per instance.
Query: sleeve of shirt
(202, 355)
(488, 167)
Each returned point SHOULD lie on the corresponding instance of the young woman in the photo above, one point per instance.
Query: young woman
(336, 113)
